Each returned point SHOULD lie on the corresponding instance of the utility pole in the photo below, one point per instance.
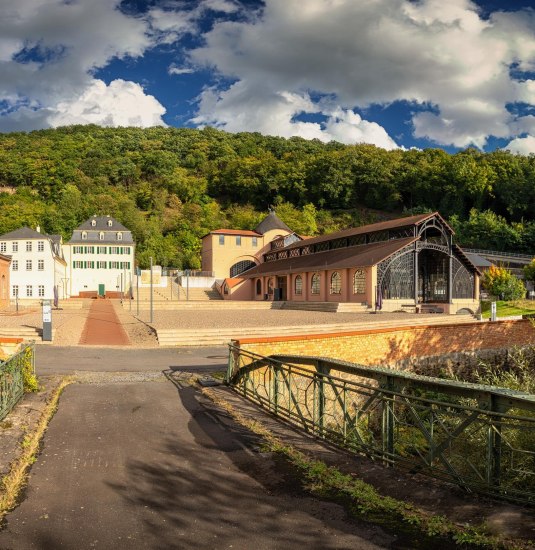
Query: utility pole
(151, 312)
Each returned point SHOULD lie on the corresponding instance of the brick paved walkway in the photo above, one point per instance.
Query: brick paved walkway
(103, 327)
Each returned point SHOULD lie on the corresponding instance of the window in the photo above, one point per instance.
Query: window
(336, 283)
(28, 246)
(126, 250)
(29, 291)
(15, 290)
(41, 291)
(84, 235)
(114, 265)
(77, 249)
(119, 236)
(315, 284)
(110, 223)
(28, 265)
(114, 250)
(101, 265)
(255, 241)
(258, 287)
(93, 223)
(77, 264)
(101, 236)
(40, 246)
(125, 265)
(240, 267)
(89, 249)
(15, 247)
(221, 239)
(3, 247)
(359, 282)
(15, 265)
(40, 265)
(238, 241)
(298, 285)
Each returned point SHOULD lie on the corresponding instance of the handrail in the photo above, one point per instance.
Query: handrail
(479, 436)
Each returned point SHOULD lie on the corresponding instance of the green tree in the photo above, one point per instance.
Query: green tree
(500, 282)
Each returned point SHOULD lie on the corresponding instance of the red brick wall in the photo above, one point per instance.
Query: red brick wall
(387, 346)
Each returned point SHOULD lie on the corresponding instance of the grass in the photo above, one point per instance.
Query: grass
(364, 502)
(13, 483)
(504, 309)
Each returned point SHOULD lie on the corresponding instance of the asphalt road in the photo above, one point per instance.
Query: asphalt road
(65, 360)
(152, 465)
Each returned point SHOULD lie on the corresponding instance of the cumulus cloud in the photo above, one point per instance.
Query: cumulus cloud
(241, 108)
(48, 52)
(522, 145)
(430, 52)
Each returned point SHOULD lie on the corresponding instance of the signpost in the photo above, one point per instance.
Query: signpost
(493, 311)
(47, 321)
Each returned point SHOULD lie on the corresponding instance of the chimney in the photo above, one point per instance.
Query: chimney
(38, 229)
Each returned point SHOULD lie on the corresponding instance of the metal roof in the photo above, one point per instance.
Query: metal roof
(355, 256)
(372, 228)
(270, 222)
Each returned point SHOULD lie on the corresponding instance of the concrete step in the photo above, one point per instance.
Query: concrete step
(28, 334)
(194, 337)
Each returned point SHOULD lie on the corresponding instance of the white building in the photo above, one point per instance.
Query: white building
(38, 269)
(100, 259)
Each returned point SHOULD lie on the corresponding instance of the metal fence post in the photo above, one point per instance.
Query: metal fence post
(388, 417)
(322, 370)
(494, 445)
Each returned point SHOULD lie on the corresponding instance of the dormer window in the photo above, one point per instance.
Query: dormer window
(110, 223)
(119, 236)
(93, 223)
(101, 236)
(84, 235)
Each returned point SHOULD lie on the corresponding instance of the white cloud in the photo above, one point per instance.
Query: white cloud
(241, 108)
(360, 53)
(522, 145)
(48, 51)
(173, 69)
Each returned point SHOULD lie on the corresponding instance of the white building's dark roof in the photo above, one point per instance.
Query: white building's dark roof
(24, 233)
(94, 226)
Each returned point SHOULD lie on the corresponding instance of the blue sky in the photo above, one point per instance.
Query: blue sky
(395, 73)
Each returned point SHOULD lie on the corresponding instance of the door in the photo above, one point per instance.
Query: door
(281, 283)
(101, 290)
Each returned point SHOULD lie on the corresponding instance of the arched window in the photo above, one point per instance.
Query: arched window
(119, 236)
(101, 236)
(315, 284)
(259, 287)
(359, 282)
(336, 283)
(298, 285)
(93, 223)
(240, 267)
(110, 223)
(84, 235)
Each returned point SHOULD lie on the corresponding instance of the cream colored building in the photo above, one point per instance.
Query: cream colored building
(229, 252)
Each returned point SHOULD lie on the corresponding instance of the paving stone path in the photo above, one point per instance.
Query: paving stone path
(103, 327)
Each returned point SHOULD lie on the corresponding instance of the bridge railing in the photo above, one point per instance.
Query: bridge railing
(481, 438)
(498, 253)
(12, 378)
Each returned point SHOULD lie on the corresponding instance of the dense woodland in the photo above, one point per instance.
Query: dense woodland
(170, 186)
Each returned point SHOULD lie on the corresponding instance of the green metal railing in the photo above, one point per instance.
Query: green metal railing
(12, 378)
(480, 437)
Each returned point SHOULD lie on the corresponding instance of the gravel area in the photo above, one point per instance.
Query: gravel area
(225, 318)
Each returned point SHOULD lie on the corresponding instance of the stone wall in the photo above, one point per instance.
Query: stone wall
(405, 347)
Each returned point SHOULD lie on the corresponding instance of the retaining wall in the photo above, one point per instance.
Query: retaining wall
(393, 346)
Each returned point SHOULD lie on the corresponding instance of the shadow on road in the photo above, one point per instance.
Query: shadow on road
(214, 488)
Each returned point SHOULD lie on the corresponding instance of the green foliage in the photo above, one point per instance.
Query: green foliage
(171, 186)
(28, 375)
(529, 271)
(499, 281)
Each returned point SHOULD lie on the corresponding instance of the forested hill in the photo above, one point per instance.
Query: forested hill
(170, 186)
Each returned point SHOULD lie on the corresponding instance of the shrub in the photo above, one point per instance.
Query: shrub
(499, 281)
